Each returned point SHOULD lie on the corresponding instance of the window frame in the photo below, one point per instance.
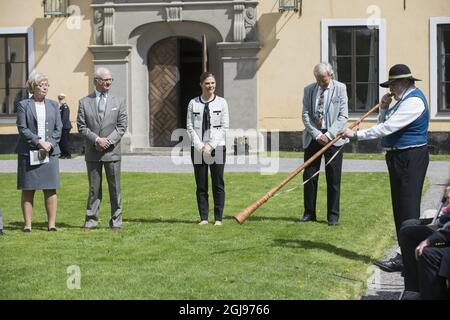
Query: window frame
(379, 24)
(435, 113)
(7, 84)
(353, 56)
(439, 70)
(28, 33)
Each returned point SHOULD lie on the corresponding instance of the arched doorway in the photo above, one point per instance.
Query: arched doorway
(175, 65)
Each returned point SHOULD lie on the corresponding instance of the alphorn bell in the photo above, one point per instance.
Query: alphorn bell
(245, 214)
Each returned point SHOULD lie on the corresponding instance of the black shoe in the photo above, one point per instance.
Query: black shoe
(1, 232)
(307, 218)
(333, 223)
(52, 229)
(26, 230)
(393, 265)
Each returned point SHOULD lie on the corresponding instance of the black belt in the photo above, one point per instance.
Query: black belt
(391, 149)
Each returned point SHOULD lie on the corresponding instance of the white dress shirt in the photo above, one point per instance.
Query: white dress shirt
(408, 111)
(40, 113)
(97, 99)
(325, 104)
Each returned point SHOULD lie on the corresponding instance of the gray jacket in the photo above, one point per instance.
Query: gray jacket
(28, 128)
(336, 110)
(113, 126)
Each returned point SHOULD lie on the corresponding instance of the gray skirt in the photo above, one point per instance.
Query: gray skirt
(40, 177)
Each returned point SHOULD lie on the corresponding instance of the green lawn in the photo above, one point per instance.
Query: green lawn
(162, 253)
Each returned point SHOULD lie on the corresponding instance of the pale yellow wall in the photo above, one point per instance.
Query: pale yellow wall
(292, 46)
(59, 52)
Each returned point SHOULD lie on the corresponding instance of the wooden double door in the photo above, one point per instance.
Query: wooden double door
(175, 65)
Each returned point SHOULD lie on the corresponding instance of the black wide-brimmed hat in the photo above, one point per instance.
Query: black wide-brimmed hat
(397, 72)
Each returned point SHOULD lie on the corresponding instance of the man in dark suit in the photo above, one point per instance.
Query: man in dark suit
(102, 120)
(64, 144)
(325, 113)
(426, 257)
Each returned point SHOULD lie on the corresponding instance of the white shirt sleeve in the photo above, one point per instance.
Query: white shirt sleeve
(408, 111)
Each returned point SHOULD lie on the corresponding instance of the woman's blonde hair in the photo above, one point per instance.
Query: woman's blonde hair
(34, 80)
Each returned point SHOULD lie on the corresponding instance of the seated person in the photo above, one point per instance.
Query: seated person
(426, 255)
(444, 216)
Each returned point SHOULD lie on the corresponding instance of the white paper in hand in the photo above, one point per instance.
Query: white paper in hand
(38, 157)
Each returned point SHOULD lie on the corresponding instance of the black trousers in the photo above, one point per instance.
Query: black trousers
(333, 175)
(407, 169)
(216, 163)
(65, 144)
(422, 275)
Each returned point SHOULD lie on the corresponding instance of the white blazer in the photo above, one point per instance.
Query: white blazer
(219, 124)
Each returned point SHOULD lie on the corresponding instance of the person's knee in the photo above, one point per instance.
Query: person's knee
(409, 223)
(406, 231)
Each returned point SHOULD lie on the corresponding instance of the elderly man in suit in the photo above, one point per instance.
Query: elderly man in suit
(325, 113)
(102, 119)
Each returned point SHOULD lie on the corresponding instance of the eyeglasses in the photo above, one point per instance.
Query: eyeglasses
(105, 80)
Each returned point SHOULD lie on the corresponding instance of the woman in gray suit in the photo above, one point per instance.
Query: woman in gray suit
(39, 125)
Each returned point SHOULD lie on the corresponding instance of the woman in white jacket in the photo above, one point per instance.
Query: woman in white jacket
(206, 123)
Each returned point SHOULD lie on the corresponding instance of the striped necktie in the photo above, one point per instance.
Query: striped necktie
(101, 106)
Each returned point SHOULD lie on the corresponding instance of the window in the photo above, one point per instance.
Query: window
(13, 71)
(443, 61)
(353, 53)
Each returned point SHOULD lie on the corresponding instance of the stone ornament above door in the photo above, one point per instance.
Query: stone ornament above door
(240, 27)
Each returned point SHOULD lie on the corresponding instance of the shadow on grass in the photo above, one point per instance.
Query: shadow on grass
(16, 225)
(156, 220)
(306, 244)
(211, 218)
(263, 218)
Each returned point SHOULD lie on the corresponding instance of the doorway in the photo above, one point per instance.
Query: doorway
(175, 65)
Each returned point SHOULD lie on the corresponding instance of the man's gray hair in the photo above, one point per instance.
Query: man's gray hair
(34, 80)
(323, 67)
(99, 72)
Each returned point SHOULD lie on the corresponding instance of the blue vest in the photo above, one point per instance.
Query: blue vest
(414, 134)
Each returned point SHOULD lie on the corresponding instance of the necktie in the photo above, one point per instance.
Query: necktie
(101, 106)
(206, 120)
(320, 108)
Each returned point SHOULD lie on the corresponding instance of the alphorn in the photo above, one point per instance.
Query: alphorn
(247, 212)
